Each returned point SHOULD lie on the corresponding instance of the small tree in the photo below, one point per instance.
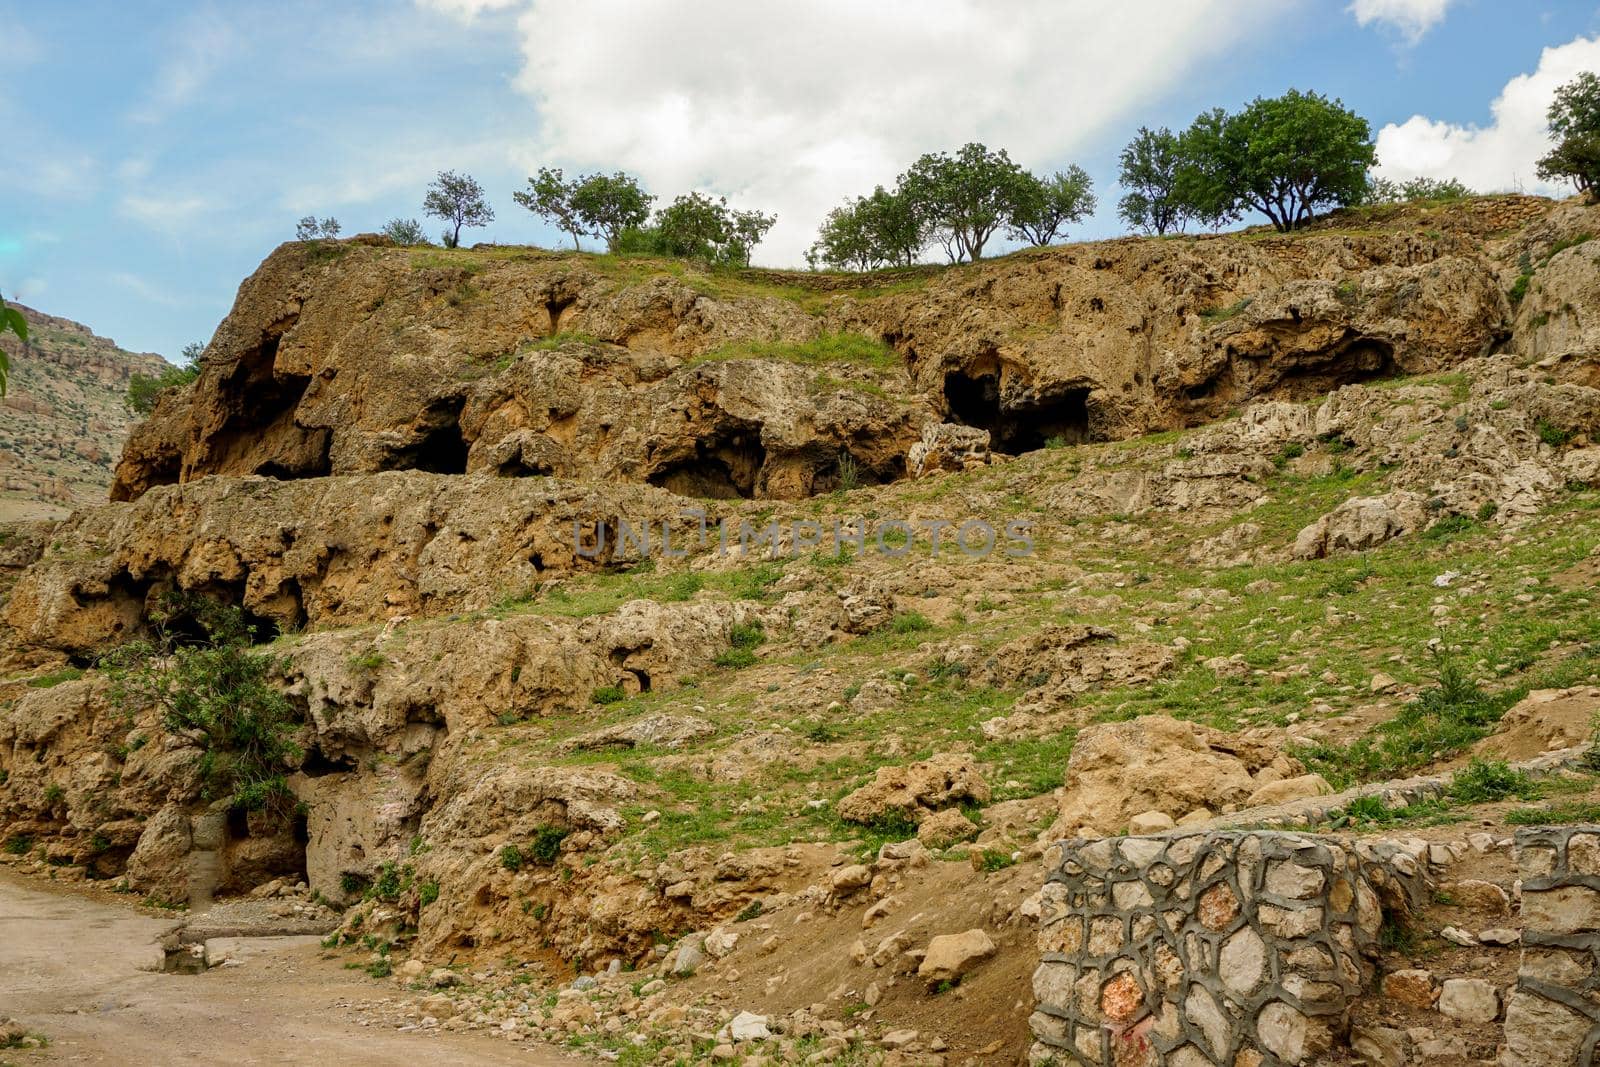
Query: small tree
(1574, 118)
(745, 231)
(883, 229)
(693, 226)
(197, 670)
(1042, 207)
(1388, 191)
(145, 390)
(607, 205)
(1150, 165)
(842, 241)
(312, 228)
(549, 196)
(458, 200)
(1285, 157)
(11, 321)
(966, 198)
(405, 232)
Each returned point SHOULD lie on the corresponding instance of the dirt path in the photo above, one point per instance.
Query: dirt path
(69, 970)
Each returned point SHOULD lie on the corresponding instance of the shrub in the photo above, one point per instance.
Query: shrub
(1483, 780)
(145, 389)
(405, 232)
(744, 639)
(910, 622)
(511, 857)
(427, 893)
(214, 690)
(1551, 434)
(546, 844)
(609, 694)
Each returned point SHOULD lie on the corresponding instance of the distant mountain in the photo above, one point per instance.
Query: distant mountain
(62, 421)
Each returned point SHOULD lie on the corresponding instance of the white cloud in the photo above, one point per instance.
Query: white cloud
(1411, 18)
(1500, 155)
(791, 107)
(165, 212)
(199, 49)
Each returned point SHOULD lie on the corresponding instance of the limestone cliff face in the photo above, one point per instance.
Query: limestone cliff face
(62, 421)
(358, 357)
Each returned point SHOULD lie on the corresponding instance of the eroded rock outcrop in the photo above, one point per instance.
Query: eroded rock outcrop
(357, 357)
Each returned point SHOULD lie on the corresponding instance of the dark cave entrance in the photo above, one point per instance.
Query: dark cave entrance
(725, 466)
(1352, 362)
(974, 400)
(438, 447)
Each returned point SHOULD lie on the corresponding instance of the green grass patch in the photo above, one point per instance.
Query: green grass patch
(852, 348)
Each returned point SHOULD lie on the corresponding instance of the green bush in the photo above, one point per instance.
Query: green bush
(511, 857)
(1482, 780)
(145, 389)
(910, 622)
(1552, 435)
(217, 692)
(1443, 721)
(546, 844)
(744, 639)
(609, 694)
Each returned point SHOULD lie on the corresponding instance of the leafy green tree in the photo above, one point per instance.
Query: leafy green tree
(842, 241)
(1388, 191)
(591, 205)
(745, 230)
(965, 198)
(1574, 118)
(883, 229)
(198, 671)
(1284, 156)
(696, 226)
(1150, 168)
(11, 321)
(405, 232)
(1042, 207)
(144, 390)
(693, 226)
(312, 228)
(549, 195)
(608, 204)
(457, 199)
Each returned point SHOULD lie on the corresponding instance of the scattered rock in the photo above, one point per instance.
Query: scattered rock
(950, 956)
(1471, 1000)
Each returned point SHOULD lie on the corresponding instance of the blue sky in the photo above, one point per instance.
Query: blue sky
(157, 151)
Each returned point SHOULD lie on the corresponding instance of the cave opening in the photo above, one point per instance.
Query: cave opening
(725, 466)
(1355, 360)
(259, 433)
(438, 446)
(1062, 416)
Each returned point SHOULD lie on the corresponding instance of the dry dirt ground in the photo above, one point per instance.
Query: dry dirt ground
(69, 970)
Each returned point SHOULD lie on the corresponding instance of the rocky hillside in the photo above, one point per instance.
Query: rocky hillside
(700, 665)
(64, 420)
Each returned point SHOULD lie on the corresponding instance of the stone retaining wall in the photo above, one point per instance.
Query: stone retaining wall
(1193, 948)
(1553, 1018)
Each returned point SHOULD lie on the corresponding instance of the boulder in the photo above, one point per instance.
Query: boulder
(945, 828)
(1472, 1000)
(1359, 523)
(1156, 763)
(1283, 791)
(951, 956)
(915, 790)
